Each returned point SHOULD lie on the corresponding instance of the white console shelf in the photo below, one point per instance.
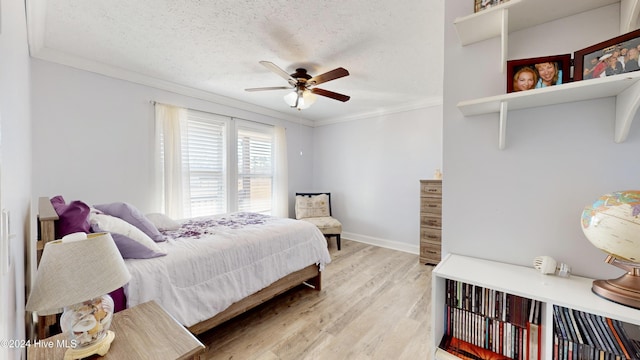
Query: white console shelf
(573, 292)
(625, 87)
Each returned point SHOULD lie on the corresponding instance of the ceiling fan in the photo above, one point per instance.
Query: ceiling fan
(304, 85)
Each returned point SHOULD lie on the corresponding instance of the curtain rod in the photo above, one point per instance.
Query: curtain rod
(153, 102)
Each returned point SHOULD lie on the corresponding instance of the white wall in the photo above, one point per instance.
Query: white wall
(15, 168)
(372, 168)
(526, 200)
(93, 136)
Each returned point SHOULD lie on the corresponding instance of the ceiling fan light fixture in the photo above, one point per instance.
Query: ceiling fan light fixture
(291, 99)
(308, 99)
(300, 99)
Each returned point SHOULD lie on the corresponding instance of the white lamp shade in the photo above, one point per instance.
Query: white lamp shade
(308, 98)
(74, 271)
(291, 98)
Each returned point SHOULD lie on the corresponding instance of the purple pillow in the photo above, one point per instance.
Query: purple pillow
(133, 216)
(129, 248)
(72, 217)
(119, 299)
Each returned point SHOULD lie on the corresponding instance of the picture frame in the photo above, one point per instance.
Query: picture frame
(596, 60)
(532, 73)
(480, 5)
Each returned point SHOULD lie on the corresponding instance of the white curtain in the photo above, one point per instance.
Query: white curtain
(173, 187)
(281, 174)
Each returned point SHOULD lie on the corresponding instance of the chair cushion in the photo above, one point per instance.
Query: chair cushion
(312, 206)
(326, 224)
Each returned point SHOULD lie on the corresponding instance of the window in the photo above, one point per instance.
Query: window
(255, 168)
(220, 164)
(204, 164)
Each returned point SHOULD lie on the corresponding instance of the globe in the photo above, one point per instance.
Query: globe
(612, 224)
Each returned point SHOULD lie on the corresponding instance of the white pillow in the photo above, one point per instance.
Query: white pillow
(314, 206)
(162, 222)
(116, 225)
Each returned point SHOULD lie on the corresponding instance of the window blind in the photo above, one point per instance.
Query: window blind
(204, 160)
(255, 170)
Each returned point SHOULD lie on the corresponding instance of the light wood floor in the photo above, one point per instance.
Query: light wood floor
(374, 304)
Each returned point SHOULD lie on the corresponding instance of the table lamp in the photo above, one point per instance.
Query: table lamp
(76, 274)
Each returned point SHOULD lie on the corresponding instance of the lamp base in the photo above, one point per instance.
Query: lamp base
(101, 348)
(624, 290)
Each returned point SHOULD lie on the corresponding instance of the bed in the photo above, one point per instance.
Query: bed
(212, 269)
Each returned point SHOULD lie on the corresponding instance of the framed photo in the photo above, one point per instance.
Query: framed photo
(527, 74)
(615, 56)
(485, 4)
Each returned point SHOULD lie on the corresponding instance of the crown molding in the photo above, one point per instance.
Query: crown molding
(61, 58)
(420, 104)
(76, 62)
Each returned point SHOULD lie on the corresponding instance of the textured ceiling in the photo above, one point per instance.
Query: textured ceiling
(393, 50)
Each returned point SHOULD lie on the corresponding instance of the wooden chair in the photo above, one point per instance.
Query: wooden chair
(316, 209)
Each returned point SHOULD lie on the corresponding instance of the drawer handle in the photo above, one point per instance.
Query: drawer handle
(432, 252)
(433, 205)
(432, 190)
(432, 237)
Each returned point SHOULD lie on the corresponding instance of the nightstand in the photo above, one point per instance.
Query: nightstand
(145, 331)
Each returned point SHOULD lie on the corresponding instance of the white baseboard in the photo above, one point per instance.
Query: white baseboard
(394, 245)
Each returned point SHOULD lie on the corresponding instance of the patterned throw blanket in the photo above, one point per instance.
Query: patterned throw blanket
(198, 227)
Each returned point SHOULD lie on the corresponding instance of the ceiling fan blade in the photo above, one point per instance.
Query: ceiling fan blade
(273, 67)
(269, 88)
(330, 94)
(328, 76)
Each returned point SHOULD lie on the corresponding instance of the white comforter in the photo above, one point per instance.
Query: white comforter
(215, 261)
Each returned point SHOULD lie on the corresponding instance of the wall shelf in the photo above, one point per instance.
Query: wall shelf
(523, 14)
(625, 87)
(515, 15)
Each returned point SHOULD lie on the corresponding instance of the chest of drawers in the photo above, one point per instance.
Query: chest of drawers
(430, 221)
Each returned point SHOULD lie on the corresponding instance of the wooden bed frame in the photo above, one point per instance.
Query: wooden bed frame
(309, 275)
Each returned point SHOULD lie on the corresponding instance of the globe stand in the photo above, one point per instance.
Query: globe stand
(624, 290)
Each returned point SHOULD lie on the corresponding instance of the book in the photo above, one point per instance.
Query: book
(608, 334)
(536, 316)
(582, 335)
(444, 355)
(467, 351)
(532, 309)
(489, 319)
(589, 347)
(562, 333)
(600, 347)
(633, 348)
(574, 326)
(597, 320)
(618, 340)
(533, 341)
(571, 336)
